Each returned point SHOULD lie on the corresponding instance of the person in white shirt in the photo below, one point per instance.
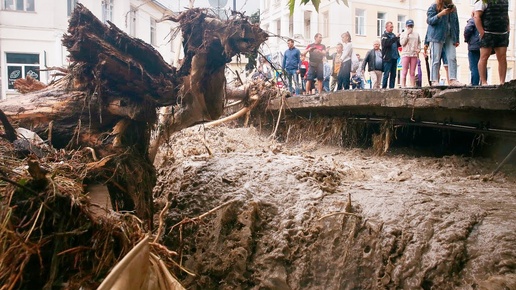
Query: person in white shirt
(344, 76)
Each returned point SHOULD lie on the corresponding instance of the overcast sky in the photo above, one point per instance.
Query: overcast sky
(249, 6)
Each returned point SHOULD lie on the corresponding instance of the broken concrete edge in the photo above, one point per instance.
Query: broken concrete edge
(456, 98)
(481, 110)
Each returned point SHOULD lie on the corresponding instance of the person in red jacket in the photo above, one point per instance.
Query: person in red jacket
(303, 68)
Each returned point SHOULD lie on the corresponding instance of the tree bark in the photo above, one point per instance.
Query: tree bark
(109, 100)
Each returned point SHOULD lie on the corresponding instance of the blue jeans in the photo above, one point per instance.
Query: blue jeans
(344, 76)
(451, 55)
(293, 77)
(473, 57)
(390, 68)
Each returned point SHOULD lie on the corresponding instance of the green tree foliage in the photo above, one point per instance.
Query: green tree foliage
(292, 4)
(255, 17)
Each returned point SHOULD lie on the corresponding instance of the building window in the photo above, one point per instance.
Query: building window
(132, 21)
(401, 23)
(107, 10)
(153, 39)
(325, 24)
(19, 5)
(360, 22)
(307, 24)
(70, 4)
(380, 23)
(21, 65)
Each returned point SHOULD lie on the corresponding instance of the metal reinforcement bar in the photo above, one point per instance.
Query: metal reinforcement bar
(450, 126)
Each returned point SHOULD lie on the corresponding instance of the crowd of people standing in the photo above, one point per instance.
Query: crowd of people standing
(486, 33)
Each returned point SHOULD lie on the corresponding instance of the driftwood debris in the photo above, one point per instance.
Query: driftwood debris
(115, 85)
(28, 84)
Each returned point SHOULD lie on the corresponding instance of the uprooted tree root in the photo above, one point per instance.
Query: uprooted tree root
(51, 236)
(107, 102)
(252, 107)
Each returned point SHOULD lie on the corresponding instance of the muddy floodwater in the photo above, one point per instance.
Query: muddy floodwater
(308, 216)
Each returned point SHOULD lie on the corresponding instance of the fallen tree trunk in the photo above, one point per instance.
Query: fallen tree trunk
(109, 100)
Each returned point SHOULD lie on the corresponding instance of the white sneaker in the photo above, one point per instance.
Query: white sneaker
(456, 83)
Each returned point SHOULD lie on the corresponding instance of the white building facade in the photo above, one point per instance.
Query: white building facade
(31, 32)
(365, 20)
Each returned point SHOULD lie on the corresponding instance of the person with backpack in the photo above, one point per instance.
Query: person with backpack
(493, 25)
(473, 40)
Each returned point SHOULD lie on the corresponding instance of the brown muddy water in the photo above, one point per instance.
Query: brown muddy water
(278, 216)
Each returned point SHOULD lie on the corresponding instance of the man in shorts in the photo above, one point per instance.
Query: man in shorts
(317, 52)
(492, 22)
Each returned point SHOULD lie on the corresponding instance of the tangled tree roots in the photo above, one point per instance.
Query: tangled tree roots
(336, 131)
(328, 131)
(383, 139)
(107, 102)
(51, 236)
